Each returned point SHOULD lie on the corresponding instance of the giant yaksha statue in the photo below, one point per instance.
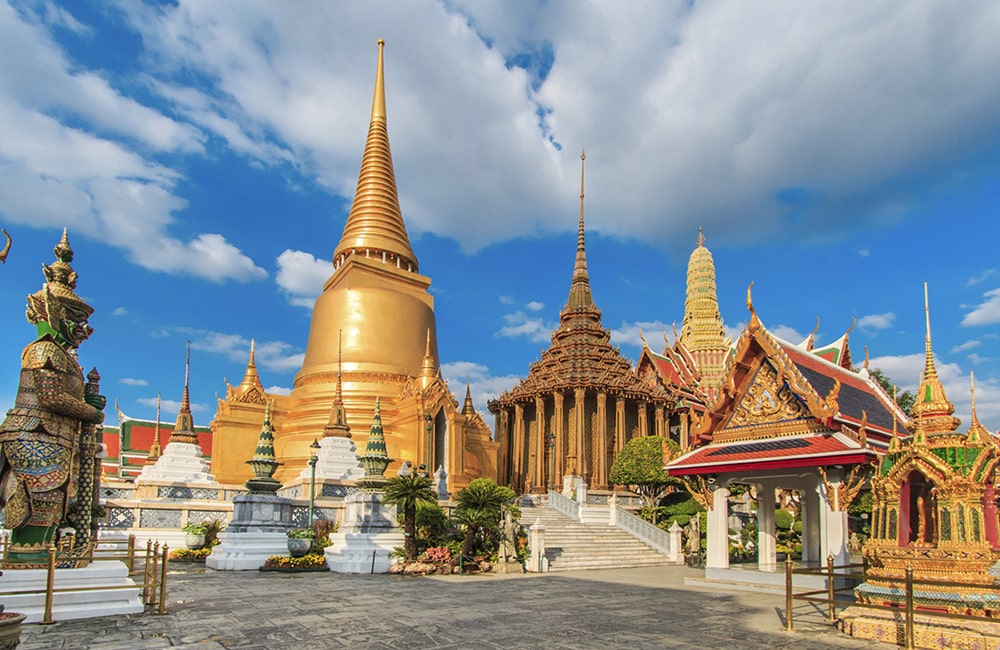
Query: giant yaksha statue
(48, 473)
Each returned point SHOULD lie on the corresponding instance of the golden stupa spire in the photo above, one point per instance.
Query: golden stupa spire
(154, 449)
(468, 408)
(894, 441)
(184, 428)
(931, 409)
(428, 368)
(703, 333)
(579, 291)
(336, 426)
(251, 380)
(375, 227)
(977, 432)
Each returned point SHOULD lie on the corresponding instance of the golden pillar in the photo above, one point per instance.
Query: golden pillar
(619, 424)
(560, 451)
(579, 396)
(685, 431)
(661, 429)
(519, 449)
(539, 480)
(503, 436)
(601, 446)
(643, 418)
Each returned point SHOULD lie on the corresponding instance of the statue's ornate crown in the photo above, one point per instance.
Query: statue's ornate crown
(57, 294)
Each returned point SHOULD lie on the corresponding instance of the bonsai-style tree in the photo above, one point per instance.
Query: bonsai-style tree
(406, 492)
(480, 506)
(639, 466)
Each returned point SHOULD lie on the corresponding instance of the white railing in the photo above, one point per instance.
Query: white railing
(565, 505)
(666, 542)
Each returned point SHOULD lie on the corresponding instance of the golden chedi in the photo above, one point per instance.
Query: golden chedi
(379, 303)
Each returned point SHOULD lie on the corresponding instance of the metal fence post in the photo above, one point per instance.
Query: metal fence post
(151, 597)
(788, 593)
(831, 589)
(50, 579)
(130, 562)
(163, 582)
(908, 624)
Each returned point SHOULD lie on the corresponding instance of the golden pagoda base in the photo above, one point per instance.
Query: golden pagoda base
(928, 631)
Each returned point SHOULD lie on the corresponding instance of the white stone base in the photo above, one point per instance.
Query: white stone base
(352, 553)
(181, 462)
(246, 551)
(336, 460)
(73, 604)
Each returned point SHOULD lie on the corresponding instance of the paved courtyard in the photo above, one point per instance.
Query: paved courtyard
(634, 608)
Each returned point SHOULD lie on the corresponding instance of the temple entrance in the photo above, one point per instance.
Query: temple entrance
(918, 504)
(439, 446)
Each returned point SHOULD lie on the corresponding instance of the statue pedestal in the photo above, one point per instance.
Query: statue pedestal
(181, 462)
(259, 529)
(73, 604)
(336, 460)
(366, 536)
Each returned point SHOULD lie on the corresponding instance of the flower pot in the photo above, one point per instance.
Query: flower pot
(10, 630)
(194, 540)
(298, 546)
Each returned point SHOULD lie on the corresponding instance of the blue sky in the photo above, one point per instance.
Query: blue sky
(204, 155)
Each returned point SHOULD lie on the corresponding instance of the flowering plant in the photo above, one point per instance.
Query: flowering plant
(308, 561)
(437, 554)
(191, 554)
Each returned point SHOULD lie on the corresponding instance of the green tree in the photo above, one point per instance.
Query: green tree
(904, 400)
(639, 466)
(480, 506)
(406, 492)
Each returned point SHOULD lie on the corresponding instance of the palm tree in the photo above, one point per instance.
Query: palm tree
(406, 492)
(480, 505)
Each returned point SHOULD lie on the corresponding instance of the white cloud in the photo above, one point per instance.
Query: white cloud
(534, 305)
(520, 324)
(73, 149)
(864, 252)
(628, 334)
(278, 390)
(986, 313)
(877, 321)
(276, 356)
(506, 300)
(128, 381)
(968, 345)
(787, 333)
(119, 311)
(483, 386)
(982, 277)
(302, 276)
(168, 406)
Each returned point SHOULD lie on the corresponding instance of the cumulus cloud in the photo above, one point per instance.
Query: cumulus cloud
(987, 312)
(534, 305)
(628, 334)
(129, 381)
(968, 345)
(982, 277)
(787, 333)
(278, 390)
(864, 252)
(168, 406)
(877, 321)
(519, 324)
(483, 386)
(74, 149)
(119, 311)
(302, 276)
(276, 356)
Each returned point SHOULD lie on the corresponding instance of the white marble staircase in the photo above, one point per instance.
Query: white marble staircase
(570, 545)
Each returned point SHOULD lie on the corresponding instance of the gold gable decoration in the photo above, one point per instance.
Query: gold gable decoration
(767, 401)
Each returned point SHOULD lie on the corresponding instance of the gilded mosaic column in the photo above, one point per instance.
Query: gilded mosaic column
(601, 445)
(503, 434)
(619, 424)
(660, 428)
(643, 419)
(539, 480)
(519, 450)
(560, 452)
(579, 395)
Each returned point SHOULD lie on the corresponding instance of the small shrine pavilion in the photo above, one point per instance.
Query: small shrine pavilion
(786, 418)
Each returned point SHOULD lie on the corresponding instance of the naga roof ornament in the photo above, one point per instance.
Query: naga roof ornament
(375, 226)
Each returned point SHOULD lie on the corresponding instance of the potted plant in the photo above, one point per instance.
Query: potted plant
(194, 534)
(299, 541)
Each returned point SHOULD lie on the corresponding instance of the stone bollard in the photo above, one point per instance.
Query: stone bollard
(676, 551)
(613, 510)
(537, 563)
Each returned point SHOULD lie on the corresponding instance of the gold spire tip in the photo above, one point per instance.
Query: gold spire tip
(701, 238)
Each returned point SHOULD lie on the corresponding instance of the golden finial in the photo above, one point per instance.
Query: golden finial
(894, 441)
(154, 448)
(337, 426)
(866, 358)
(251, 353)
(579, 291)
(863, 429)
(378, 101)
(427, 370)
(6, 247)
(184, 428)
(642, 338)
(701, 238)
(931, 408)
(930, 372)
(854, 321)
(754, 324)
(810, 342)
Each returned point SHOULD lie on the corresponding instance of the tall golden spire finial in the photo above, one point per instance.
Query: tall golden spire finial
(250, 388)
(894, 441)
(468, 408)
(703, 333)
(701, 238)
(154, 449)
(252, 343)
(931, 408)
(428, 369)
(184, 428)
(375, 227)
(579, 292)
(336, 426)
(977, 432)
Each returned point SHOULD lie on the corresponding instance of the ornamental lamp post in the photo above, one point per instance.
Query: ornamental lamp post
(550, 440)
(427, 460)
(312, 478)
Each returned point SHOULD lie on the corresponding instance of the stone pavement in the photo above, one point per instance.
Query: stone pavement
(632, 608)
